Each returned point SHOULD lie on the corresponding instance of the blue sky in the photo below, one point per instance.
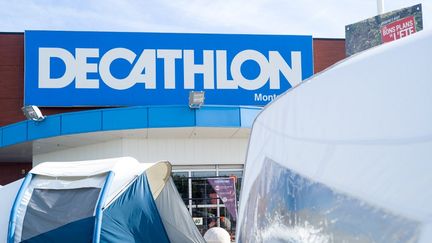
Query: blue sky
(320, 18)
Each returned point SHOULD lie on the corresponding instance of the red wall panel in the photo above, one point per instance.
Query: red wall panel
(10, 172)
(327, 52)
(11, 77)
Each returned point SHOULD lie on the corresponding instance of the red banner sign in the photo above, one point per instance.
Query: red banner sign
(226, 190)
(398, 29)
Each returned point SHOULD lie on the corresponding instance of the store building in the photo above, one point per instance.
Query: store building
(144, 111)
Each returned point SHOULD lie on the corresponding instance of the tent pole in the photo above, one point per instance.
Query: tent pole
(100, 203)
(13, 214)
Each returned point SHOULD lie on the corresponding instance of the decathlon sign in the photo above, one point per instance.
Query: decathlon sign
(116, 69)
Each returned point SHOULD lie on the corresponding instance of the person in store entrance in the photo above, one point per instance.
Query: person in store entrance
(217, 235)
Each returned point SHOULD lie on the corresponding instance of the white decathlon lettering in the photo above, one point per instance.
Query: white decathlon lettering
(277, 64)
(206, 69)
(83, 68)
(104, 68)
(221, 72)
(214, 69)
(250, 84)
(169, 57)
(147, 63)
(45, 80)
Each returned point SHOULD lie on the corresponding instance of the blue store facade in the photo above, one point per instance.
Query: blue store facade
(127, 94)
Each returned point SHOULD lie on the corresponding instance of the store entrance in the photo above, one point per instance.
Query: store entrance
(211, 196)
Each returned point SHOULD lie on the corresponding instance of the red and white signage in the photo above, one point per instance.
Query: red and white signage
(398, 29)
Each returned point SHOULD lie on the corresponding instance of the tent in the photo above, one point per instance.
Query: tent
(346, 155)
(111, 200)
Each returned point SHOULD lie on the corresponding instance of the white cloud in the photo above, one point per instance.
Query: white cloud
(324, 18)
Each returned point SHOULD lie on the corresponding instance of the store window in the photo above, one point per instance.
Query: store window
(211, 195)
(181, 180)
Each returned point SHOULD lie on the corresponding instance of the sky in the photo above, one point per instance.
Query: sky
(319, 18)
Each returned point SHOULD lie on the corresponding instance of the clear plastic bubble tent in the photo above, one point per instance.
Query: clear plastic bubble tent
(346, 156)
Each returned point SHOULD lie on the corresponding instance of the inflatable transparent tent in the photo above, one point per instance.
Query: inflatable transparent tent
(346, 155)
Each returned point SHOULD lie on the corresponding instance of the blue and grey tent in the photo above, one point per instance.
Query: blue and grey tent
(111, 200)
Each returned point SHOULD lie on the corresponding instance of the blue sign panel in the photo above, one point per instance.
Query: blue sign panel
(127, 69)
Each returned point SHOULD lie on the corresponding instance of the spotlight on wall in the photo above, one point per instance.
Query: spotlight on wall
(196, 99)
(33, 113)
